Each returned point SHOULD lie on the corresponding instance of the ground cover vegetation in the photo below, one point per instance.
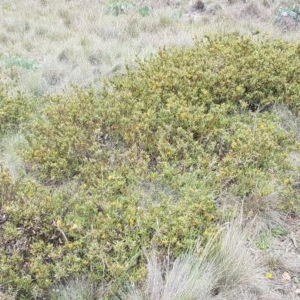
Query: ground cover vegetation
(120, 189)
(139, 165)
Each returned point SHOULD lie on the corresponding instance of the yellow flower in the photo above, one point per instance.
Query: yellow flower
(244, 104)
(269, 275)
(70, 246)
(74, 227)
(233, 145)
(59, 223)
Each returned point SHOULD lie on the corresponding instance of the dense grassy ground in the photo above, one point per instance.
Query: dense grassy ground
(45, 45)
(174, 178)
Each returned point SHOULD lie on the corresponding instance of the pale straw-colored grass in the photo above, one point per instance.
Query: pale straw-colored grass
(225, 269)
(81, 41)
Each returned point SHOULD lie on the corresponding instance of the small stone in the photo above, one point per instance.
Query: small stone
(285, 277)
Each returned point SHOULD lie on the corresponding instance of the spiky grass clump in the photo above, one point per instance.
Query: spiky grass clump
(222, 270)
(75, 289)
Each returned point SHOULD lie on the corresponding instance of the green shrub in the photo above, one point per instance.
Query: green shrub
(207, 108)
(14, 110)
(290, 11)
(117, 7)
(63, 135)
(51, 235)
(139, 165)
(17, 61)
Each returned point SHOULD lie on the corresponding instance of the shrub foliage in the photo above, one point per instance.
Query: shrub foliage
(14, 110)
(139, 165)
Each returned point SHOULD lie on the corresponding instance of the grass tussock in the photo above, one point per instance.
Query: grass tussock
(75, 289)
(223, 269)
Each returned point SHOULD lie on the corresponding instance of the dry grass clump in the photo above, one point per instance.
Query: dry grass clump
(75, 289)
(225, 269)
(84, 41)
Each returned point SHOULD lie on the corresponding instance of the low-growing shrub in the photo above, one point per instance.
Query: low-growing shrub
(63, 135)
(14, 110)
(17, 61)
(117, 8)
(139, 165)
(49, 235)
